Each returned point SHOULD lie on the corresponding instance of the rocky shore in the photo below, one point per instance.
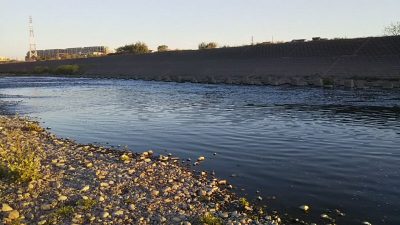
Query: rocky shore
(48, 180)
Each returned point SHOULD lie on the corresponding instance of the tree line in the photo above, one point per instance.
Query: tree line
(142, 48)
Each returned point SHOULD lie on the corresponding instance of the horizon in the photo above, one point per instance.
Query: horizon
(183, 25)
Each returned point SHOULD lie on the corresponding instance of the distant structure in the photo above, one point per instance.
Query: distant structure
(70, 53)
(32, 54)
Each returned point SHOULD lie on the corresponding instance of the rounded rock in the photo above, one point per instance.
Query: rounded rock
(13, 215)
(86, 188)
(105, 214)
(62, 198)
(305, 208)
(6, 208)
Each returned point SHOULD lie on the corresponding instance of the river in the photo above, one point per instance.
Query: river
(327, 148)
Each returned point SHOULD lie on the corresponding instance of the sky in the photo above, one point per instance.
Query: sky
(183, 24)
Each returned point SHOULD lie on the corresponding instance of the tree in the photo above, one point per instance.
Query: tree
(162, 48)
(209, 45)
(137, 48)
(393, 29)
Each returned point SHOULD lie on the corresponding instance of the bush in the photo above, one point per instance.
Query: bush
(209, 45)
(41, 70)
(327, 81)
(137, 48)
(67, 69)
(162, 48)
(19, 160)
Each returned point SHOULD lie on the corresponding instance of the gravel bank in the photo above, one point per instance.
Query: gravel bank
(63, 182)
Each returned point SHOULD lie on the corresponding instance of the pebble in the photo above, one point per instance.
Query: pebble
(86, 188)
(62, 198)
(147, 160)
(325, 216)
(224, 215)
(6, 208)
(105, 214)
(13, 215)
(155, 193)
(119, 213)
(125, 157)
(104, 184)
(46, 207)
(176, 219)
(222, 182)
(201, 158)
(132, 207)
(305, 208)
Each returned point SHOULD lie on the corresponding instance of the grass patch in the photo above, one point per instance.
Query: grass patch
(327, 81)
(244, 202)
(210, 219)
(67, 69)
(18, 158)
(86, 204)
(64, 212)
(41, 70)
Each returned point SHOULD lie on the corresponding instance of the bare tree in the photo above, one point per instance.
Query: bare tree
(393, 29)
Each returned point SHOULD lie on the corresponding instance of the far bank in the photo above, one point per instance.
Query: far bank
(352, 63)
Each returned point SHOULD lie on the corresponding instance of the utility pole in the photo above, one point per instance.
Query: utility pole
(32, 54)
(252, 40)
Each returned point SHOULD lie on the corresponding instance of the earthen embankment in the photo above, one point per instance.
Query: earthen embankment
(360, 62)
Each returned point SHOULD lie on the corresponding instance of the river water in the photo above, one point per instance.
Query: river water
(329, 149)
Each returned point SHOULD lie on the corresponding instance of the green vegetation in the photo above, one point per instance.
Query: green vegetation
(60, 214)
(41, 70)
(67, 69)
(162, 48)
(33, 126)
(209, 45)
(244, 202)
(210, 219)
(86, 204)
(327, 81)
(19, 160)
(137, 48)
(393, 29)
(60, 70)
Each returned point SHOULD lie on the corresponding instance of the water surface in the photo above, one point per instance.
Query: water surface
(330, 149)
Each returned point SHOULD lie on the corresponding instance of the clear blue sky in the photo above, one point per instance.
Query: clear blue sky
(183, 23)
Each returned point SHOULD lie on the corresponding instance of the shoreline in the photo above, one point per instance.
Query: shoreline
(65, 182)
(315, 82)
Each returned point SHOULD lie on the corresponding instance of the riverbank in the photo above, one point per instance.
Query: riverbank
(351, 63)
(48, 180)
